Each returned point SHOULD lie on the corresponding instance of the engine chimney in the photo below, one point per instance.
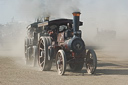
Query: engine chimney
(76, 23)
(46, 19)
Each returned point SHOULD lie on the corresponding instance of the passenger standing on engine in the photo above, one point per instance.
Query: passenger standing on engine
(69, 31)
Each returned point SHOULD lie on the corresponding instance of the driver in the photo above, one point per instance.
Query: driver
(69, 31)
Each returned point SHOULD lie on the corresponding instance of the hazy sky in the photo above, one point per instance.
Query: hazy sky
(89, 8)
(8, 10)
(107, 14)
(102, 14)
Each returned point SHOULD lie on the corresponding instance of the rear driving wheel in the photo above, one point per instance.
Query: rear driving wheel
(91, 61)
(44, 62)
(49, 52)
(42, 53)
(61, 62)
(29, 57)
(35, 55)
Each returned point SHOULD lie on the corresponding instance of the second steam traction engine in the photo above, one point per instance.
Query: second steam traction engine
(59, 40)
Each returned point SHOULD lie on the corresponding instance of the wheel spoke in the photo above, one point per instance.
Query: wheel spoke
(41, 49)
(40, 56)
(41, 53)
(42, 63)
(42, 43)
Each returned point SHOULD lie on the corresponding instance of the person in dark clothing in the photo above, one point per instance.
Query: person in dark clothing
(69, 31)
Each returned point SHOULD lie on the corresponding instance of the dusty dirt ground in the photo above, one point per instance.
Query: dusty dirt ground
(110, 71)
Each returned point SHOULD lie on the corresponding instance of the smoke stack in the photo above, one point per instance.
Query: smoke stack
(76, 16)
(46, 19)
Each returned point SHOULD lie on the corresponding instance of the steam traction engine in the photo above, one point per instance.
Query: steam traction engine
(61, 40)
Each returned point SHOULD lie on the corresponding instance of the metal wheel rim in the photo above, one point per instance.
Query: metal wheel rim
(60, 63)
(91, 61)
(41, 53)
(90, 64)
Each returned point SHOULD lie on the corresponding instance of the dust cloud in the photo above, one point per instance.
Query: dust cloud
(105, 26)
(12, 39)
(27, 11)
(105, 22)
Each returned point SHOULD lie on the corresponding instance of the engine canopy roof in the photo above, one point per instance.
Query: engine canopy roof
(57, 22)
